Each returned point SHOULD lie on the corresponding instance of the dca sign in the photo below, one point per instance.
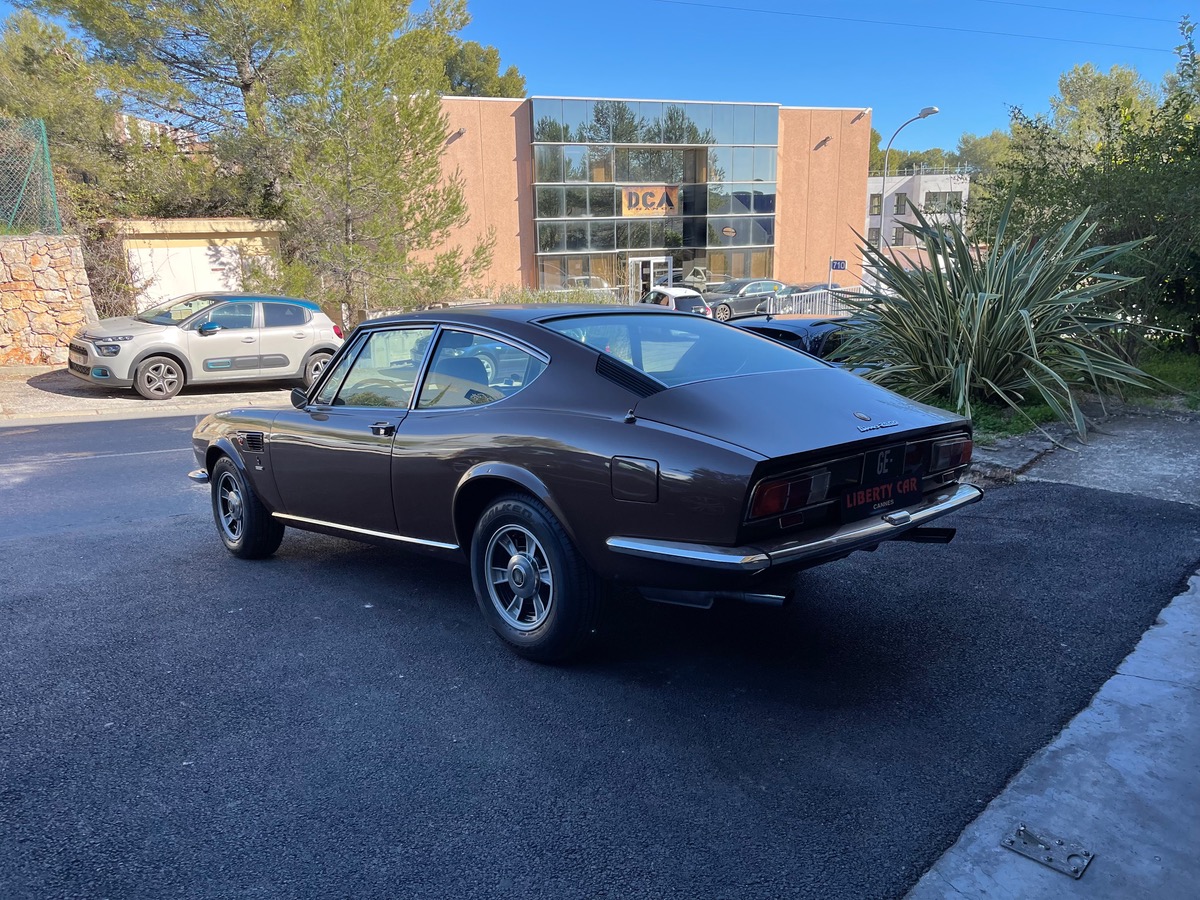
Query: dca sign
(650, 200)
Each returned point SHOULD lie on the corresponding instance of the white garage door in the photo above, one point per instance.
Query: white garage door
(163, 272)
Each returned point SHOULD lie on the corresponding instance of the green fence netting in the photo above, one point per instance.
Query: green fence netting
(28, 201)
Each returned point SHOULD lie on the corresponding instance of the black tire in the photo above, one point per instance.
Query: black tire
(723, 312)
(245, 527)
(544, 599)
(315, 366)
(158, 378)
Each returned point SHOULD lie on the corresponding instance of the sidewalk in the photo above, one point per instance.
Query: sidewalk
(46, 394)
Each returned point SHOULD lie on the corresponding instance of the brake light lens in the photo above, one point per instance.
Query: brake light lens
(783, 495)
(337, 329)
(951, 454)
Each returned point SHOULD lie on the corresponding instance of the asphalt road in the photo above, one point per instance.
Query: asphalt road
(338, 721)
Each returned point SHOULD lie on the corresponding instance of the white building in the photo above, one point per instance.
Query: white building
(940, 193)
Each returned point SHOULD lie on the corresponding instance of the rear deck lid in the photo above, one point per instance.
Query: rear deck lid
(777, 414)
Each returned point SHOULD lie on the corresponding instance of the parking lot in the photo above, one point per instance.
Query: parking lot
(338, 721)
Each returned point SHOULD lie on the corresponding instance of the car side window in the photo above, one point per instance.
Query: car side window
(470, 369)
(385, 371)
(229, 316)
(284, 315)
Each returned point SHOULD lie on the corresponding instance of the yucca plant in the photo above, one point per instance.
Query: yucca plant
(1016, 319)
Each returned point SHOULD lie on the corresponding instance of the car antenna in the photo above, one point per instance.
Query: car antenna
(630, 418)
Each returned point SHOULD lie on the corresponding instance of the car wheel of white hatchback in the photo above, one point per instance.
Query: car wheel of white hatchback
(158, 378)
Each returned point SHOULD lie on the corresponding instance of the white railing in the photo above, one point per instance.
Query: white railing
(812, 303)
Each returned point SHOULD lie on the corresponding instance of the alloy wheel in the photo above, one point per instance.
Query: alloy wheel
(161, 379)
(231, 507)
(520, 582)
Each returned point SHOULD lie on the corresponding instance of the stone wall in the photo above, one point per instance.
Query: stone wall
(44, 298)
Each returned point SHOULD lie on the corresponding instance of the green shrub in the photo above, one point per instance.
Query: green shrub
(1019, 322)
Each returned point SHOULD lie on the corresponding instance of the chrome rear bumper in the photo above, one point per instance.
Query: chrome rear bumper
(828, 542)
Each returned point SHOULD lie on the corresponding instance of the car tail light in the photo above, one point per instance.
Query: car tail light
(337, 329)
(783, 495)
(916, 456)
(951, 454)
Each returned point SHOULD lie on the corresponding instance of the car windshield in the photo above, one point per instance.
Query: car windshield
(680, 350)
(175, 311)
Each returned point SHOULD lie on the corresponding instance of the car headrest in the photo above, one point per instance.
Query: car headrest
(462, 368)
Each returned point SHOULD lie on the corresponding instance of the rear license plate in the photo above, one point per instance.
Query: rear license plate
(883, 486)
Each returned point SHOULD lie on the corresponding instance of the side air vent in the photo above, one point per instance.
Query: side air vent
(253, 440)
(627, 376)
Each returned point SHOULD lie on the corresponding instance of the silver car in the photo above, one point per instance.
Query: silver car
(206, 339)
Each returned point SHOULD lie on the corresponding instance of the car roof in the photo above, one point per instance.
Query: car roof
(677, 292)
(246, 295)
(791, 321)
(486, 315)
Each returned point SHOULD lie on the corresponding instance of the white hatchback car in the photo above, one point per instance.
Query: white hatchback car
(206, 338)
(680, 298)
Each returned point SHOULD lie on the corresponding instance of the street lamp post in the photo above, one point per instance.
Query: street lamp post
(923, 114)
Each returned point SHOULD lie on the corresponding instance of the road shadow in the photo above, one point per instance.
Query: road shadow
(63, 384)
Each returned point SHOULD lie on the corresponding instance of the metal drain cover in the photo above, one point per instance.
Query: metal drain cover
(1041, 846)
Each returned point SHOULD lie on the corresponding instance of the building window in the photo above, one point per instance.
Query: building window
(898, 236)
(901, 204)
(876, 205)
(943, 201)
(873, 237)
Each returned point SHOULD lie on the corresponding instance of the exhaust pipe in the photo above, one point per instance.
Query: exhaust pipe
(928, 535)
(705, 599)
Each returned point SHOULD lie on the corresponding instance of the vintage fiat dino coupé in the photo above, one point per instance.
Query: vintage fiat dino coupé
(685, 457)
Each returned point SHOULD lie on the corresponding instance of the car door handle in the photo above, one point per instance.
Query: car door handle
(249, 340)
(383, 429)
(299, 335)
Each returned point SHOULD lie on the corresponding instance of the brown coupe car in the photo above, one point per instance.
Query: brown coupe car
(683, 456)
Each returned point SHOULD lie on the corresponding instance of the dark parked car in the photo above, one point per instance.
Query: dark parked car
(818, 335)
(665, 451)
(795, 298)
(740, 297)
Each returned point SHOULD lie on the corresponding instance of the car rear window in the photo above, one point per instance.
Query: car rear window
(678, 350)
(689, 304)
(280, 315)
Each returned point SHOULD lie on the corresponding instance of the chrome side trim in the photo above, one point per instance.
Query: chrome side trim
(200, 476)
(380, 534)
(843, 539)
(731, 559)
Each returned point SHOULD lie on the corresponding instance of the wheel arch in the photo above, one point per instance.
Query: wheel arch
(223, 446)
(169, 352)
(483, 483)
(331, 349)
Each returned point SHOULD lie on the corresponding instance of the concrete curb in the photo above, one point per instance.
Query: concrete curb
(1122, 779)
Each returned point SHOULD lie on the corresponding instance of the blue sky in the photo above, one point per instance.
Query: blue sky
(973, 59)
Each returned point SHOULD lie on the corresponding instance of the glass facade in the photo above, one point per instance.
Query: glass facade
(618, 180)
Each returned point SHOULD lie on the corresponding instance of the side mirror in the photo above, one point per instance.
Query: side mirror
(208, 328)
(299, 398)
